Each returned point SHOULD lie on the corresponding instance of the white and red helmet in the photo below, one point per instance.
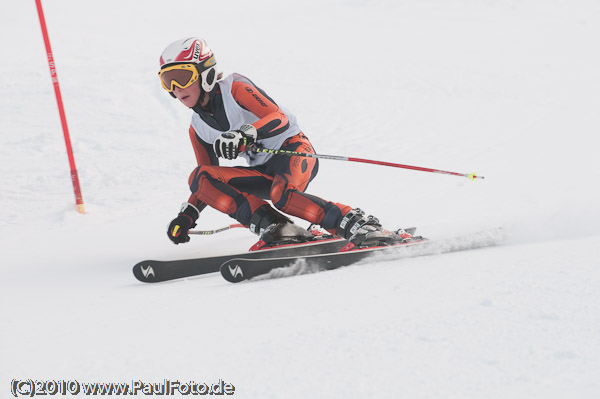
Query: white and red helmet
(192, 50)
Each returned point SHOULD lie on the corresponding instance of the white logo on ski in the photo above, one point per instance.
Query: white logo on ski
(236, 271)
(148, 271)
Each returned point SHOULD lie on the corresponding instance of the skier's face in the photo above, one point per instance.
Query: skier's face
(188, 96)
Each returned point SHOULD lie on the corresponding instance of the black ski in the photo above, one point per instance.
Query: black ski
(243, 268)
(153, 271)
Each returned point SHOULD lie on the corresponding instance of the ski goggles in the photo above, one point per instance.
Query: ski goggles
(180, 75)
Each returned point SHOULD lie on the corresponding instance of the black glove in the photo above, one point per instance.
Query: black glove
(229, 144)
(179, 227)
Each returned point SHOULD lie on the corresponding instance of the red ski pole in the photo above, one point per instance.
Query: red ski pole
(61, 110)
(215, 231)
(253, 148)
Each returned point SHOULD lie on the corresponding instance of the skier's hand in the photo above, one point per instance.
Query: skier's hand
(179, 227)
(229, 144)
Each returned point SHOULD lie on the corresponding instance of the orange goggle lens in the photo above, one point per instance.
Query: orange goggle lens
(180, 75)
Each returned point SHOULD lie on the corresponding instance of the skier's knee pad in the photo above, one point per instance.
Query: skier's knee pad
(200, 172)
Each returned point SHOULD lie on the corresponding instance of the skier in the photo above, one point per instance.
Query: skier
(230, 114)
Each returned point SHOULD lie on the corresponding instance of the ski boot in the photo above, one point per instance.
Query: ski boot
(366, 231)
(276, 229)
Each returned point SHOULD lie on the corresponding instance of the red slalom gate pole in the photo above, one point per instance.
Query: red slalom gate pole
(253, 148)
(61, 110)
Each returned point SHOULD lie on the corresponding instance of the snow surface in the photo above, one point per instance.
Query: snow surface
(509, 89)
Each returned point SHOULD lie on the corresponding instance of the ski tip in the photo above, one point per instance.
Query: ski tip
(144, 272)
(232, 272)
